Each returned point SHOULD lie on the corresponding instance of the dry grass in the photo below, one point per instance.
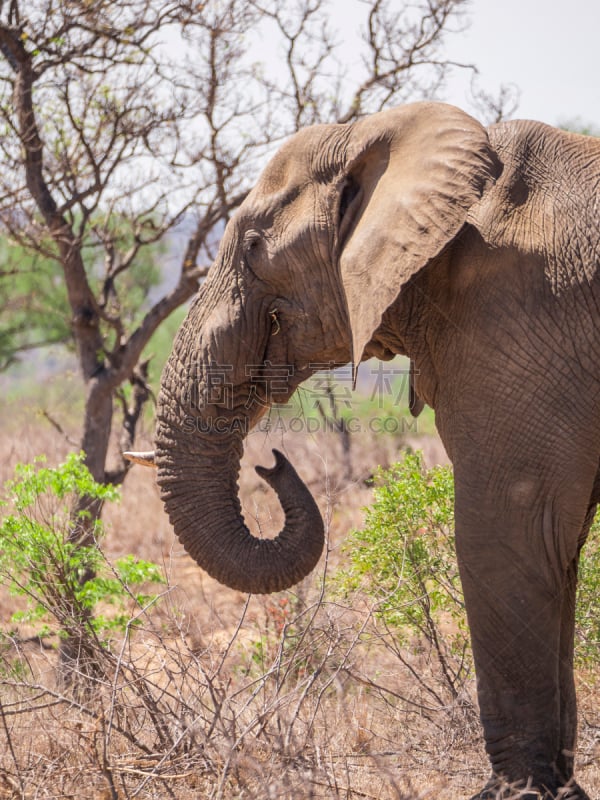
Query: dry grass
(217, 695)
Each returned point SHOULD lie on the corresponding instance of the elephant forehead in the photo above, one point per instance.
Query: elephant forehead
(299, 160)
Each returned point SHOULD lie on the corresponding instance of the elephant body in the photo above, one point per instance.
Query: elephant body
(475, 253)
(515, 386)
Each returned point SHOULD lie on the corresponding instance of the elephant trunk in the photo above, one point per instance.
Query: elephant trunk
(201, 499)
(198, 469)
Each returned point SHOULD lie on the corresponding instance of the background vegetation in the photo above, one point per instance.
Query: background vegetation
(358, 683)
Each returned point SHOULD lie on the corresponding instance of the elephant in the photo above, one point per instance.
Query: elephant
(475, 252)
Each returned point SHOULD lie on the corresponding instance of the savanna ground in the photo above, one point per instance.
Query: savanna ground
(304, 694)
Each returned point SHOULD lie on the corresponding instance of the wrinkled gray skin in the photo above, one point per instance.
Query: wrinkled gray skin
(475, 253)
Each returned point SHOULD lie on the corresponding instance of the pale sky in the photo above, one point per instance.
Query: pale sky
(549, 48)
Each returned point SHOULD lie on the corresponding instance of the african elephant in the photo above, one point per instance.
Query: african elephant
(475, 252)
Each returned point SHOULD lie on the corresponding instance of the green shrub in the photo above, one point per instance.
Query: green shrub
(404, 558)
(43, 559)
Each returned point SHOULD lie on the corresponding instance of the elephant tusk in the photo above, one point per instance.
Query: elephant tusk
(145, 458)
(275, 321)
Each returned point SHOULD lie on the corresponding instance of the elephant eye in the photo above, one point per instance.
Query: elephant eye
(251, 242)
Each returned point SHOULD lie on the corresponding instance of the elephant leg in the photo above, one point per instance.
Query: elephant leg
(519, 581)
(568, 703)
(494, 791)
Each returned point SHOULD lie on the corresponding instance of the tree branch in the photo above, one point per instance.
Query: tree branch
(82, 301)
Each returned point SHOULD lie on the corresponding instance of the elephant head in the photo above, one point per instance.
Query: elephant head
(340, 220)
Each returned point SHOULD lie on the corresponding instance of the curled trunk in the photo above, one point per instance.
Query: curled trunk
(200, 493)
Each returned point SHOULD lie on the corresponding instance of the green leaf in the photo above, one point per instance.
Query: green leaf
(41, 559)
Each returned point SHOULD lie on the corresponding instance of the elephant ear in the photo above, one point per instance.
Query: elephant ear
(411, 176)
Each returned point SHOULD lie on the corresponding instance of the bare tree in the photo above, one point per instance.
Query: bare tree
(122, 119)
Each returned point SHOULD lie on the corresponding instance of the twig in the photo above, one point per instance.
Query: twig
(58, 427)
(11, 748)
